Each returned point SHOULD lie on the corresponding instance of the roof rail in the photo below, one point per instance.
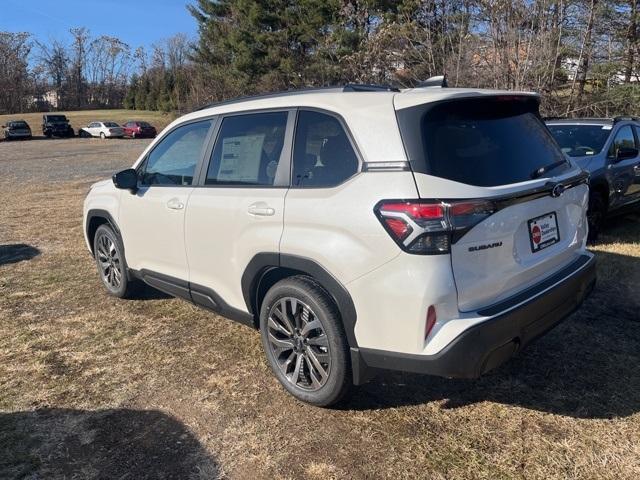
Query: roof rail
(258, 96)
(437, 81)
(625, 117)
(368, 87)
(350, 87)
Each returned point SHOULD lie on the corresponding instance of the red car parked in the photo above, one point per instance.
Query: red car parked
(135, 129)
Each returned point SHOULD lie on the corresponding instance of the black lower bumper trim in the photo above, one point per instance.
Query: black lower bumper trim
(492, 342)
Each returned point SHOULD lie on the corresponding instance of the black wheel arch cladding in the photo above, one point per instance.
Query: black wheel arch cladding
(279, 265)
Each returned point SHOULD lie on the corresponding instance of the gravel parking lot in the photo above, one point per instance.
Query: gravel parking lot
(93, 387)
(66, 160)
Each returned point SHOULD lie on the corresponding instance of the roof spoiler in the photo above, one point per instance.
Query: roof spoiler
(437, 81)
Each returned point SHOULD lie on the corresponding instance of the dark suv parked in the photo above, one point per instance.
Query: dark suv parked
(17, 129)
(56, 126)
(608, 148)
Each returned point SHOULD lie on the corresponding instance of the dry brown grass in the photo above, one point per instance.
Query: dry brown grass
(93, 387)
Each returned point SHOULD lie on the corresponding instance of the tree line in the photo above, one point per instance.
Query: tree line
(582, 55)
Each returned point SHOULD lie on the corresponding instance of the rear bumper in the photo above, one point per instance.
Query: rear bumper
(511, 326)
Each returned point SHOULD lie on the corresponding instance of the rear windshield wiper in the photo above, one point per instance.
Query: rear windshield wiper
(547, 168)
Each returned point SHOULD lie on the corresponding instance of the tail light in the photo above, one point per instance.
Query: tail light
(428, 227)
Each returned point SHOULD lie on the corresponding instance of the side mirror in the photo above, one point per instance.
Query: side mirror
(126, 180)
(626, 152)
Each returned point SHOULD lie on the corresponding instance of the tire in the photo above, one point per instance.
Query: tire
(313, 366)
(595, 215)
(111, 264)
(102, 135)
(48, 134)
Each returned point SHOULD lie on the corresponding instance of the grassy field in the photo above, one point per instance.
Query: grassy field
(93, 387)
(81, 119)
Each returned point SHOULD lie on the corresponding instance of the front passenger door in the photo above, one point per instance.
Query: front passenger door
(623, 172)
(152, 219)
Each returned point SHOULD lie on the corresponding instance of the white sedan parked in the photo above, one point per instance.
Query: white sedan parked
(102, 130)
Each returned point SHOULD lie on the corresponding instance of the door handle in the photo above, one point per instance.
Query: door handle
(175, 204)
(261, 209)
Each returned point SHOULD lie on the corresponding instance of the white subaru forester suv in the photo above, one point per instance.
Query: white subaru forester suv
(430, 230)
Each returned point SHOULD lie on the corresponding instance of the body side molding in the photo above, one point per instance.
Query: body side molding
(202, 296)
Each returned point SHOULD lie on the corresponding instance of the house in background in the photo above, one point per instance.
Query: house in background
(45, 101)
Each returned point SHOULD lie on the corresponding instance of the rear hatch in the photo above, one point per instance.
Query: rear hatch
(515, 205)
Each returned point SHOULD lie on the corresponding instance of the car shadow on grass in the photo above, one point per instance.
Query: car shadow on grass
(147, 292)
(621, 228)
(116, 443)
(587, 367)
(18, 252)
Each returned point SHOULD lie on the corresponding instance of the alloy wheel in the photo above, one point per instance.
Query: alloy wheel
(110, 262)
(299, 344)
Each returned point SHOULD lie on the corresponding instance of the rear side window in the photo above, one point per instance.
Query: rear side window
(248, 149)
(483, 142)
(624, 139)
(173, 160)
(322, 153)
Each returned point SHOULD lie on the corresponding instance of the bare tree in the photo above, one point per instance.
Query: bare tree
(54, 60)
(632, 40)
(77, 81)
(14, 74)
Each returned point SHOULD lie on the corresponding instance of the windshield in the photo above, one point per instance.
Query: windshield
(485, 142)
(56, 118)
(18, 125)
(580, 140)
(110, 124)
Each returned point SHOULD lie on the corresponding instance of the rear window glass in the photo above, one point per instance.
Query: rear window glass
(580, 140)
(111, 124)
(322, 153)
(56, 118)
(17, 125)
(483, 142)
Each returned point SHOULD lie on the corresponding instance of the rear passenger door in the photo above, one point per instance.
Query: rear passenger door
(624, 179)
(329, 211)
(236, 210)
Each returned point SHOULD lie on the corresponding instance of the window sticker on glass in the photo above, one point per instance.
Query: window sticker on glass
(241, 158)
(607, 127)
